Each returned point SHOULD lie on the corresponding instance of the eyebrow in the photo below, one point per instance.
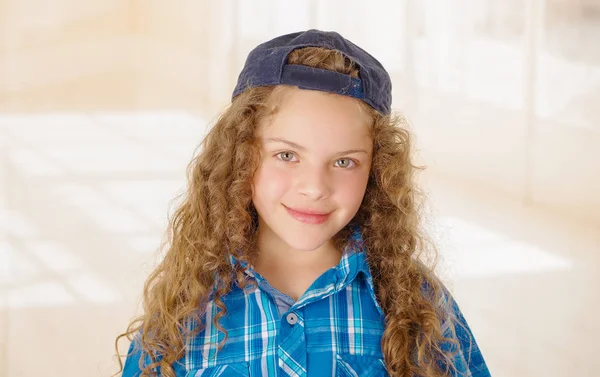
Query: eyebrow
(300, 147)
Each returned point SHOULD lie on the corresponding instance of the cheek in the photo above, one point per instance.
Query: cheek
(269, 184)
(351, 189)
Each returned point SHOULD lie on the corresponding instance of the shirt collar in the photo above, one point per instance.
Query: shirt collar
(352, 262)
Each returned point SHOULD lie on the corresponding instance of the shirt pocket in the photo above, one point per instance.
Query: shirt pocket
(226, 370)
(360, 366)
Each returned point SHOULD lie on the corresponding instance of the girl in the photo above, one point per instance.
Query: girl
(295, 250)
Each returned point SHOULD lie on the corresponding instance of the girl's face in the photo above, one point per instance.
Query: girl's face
(316, 157)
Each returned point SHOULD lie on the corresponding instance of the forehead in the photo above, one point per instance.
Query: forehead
(318, 119)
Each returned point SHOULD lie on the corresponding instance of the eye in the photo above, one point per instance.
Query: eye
(286, 156)
(345, 163)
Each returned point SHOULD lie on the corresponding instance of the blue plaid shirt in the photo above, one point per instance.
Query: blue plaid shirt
(334, 329)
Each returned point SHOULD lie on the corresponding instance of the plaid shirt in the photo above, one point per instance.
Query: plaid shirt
(334, 329)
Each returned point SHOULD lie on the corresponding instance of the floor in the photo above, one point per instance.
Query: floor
(84, 199)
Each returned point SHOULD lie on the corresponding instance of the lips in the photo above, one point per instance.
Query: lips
(308, 216)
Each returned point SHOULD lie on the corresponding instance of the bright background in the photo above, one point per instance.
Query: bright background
(103, 102)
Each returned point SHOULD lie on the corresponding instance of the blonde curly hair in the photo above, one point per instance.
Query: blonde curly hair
(216, 218)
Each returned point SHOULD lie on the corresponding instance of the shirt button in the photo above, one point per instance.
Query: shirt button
(292, 319)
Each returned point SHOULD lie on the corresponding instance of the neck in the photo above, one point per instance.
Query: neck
(274, 251)
(289, 270)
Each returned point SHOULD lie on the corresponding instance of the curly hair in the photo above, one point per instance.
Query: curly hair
(216, 218)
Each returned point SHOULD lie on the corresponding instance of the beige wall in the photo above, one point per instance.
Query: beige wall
(171, 45)
(106, 55)
(73, 55)
(65, 55)
(486, 145)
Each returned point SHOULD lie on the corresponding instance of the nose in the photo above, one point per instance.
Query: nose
(314, 183)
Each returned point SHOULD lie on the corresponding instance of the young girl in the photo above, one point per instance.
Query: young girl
(295, 250)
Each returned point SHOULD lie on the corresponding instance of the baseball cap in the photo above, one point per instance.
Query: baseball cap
(267, 65)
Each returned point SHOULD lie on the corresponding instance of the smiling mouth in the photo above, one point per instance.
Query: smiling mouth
(308, 216)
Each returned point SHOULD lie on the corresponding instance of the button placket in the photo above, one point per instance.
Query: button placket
(291, 348)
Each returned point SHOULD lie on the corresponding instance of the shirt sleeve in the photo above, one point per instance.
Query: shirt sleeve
(132, 363)
(468, 361)
(131, 368)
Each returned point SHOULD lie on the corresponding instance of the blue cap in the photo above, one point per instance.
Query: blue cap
(267, 65)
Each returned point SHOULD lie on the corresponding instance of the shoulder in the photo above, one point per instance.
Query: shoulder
(137, 359)
(458, 336)
(468, 360)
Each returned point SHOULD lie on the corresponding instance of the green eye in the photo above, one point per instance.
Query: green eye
(344, 163)
(286, 156)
